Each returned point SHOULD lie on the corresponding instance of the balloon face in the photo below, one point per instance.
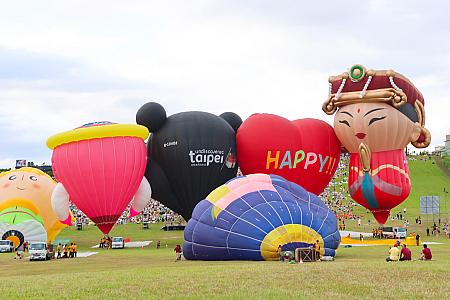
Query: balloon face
(248, 218)
(380, 112)
(189, 155)
(35, 186)
(304, 151)
(373, 124)
(101, 166)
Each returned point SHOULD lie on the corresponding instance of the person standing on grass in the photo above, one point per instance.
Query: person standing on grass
(405, 254)
(65, 251)
(417, 239)
(178, 252)
(317, 249)
(58, 251)
(426, 253)
(75, 250)
(428, 231)
(71, 250)
(394, 254)
(280, 253)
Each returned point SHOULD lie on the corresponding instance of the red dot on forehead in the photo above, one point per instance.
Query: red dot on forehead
(359, 110)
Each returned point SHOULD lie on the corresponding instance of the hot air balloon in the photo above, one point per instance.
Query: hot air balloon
(249, 217)
(189, 154)
(33, 185)
(20, 221)
(304, 151)
(380, 112)
(100, 167)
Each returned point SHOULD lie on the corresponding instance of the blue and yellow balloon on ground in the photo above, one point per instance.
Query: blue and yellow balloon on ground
(249, 217)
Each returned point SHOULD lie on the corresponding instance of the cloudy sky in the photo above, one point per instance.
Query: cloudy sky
(66, 63)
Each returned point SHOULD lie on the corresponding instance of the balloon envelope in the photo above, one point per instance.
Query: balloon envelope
(304, 151)
(249, 217)
(101, 165)
(35, 186)
(189, 155)
(20, 221)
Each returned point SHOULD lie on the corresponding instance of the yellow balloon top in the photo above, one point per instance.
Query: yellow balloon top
(97, 130)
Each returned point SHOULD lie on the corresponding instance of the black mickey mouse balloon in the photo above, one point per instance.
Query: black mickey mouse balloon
(189, 154)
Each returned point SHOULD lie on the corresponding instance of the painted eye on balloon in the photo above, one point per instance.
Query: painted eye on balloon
(344, 122)
(373, 120)
(12, 177)
(34, 178)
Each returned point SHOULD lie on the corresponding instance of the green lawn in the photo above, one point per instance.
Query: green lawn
(150, 273)
(357, 273)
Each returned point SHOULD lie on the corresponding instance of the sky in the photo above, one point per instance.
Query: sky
(67, 63)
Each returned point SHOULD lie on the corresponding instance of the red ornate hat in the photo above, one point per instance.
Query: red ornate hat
(361, 85)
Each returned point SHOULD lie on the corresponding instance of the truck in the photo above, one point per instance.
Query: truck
(118, 243)
(39, 251)
(394, 232)
(6, 246)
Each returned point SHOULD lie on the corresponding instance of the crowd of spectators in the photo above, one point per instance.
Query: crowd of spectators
(153, 213)
(336, 195)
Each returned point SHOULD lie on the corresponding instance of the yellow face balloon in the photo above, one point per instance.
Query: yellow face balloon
(36, 186)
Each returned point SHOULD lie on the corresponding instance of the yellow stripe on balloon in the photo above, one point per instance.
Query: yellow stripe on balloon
(20, 202)
(288, 233)
(97, 132)
(215, 196)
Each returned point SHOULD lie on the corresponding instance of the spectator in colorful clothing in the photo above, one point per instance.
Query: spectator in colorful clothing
(426, 253)
(394, 254)
(178, 252)
(405, 254)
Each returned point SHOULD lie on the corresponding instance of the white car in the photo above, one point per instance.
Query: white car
(6, 246)
(118, 243)
(39, 251)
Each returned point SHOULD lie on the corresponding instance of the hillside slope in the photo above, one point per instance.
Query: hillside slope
(427, 179)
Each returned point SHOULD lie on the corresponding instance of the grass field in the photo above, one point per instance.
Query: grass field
(150, 273)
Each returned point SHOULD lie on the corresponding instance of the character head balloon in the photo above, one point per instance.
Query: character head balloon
(380, 112)
(34, 186)
(189, 154)
(100, 167)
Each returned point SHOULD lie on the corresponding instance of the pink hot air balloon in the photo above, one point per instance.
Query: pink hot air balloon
(100, 167)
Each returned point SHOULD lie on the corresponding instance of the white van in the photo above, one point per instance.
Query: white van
(395, 232)
(118, 243)
(6, 246)
(39, 251)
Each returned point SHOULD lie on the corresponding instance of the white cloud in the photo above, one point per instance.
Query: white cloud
(103, 59)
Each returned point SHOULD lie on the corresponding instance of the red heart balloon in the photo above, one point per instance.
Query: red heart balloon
(304, 151)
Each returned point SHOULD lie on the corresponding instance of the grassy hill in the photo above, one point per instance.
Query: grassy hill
(427, 179)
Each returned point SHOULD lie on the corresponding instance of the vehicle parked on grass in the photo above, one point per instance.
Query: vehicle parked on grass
(118, 243)
(394, 232)
(6, 246)
(39, 251)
